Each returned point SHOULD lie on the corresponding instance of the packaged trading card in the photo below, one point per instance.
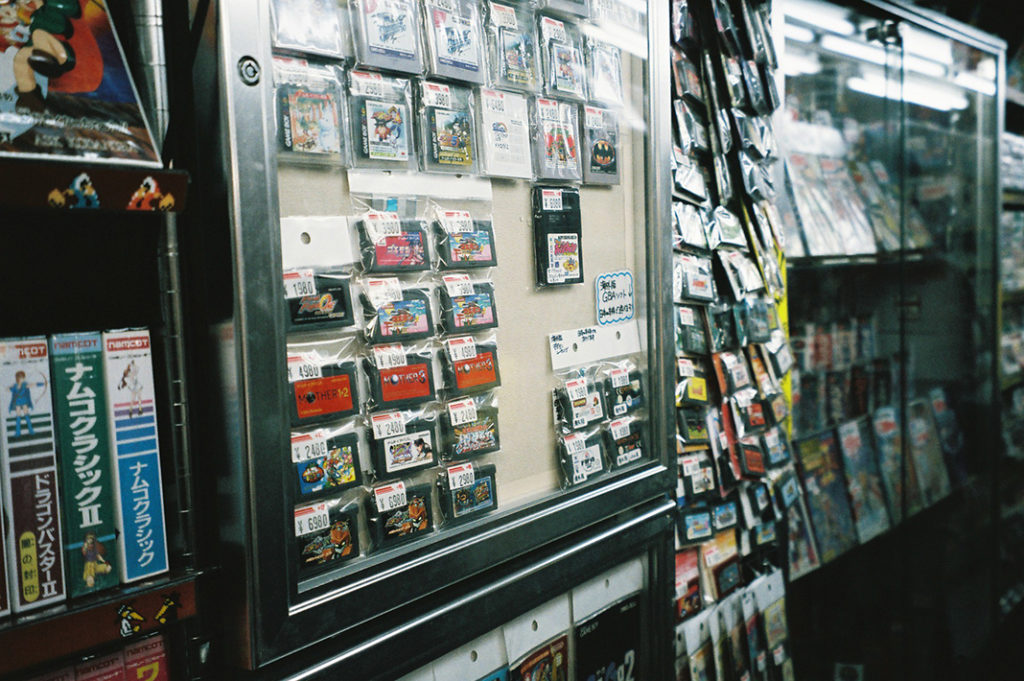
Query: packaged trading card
(604, 72)
(463, 242)
(623, 388)
(385, 34)
(105, 668)
(402, 442)
(147, 659)
(549, 661)
(581, 455)
(821, 470)
(692, 279)
(688, 225)
(318, 299)
(512, 47)
(324, 387)
(600, 146)
(389, 244)
(694, 526)
(557, 236)
(697, 471)
(562, 58)
(863, 480)
(309, 111)
(469, 427)
(311, 26)
(692, 382)
(579, 402)
(131, 401)
(626, 441)
(393, 314)
(926, 451)
(505, 134)
(448, 128)
(466, 306)
(380, 118)
(400, 376)
(325, 461)
(469, 365)
(688, 597)
(454, 40)
(28, 470)
(609, 643)
(397, 513)
(690, 336)
(467, 491)
(326, 534)
(87, 485)
(556, 140)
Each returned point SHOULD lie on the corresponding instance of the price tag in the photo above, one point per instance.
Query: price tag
(306, 446)
(380, 226)
(461, 348)
(620, 378)
(303, 368)
(309, 519)
(386, 425)
(686, 317)
(762, 659)
(461, 476)
(389, 497)
(493, 100)
(503, 15)
(771, 439)
(552, 29)
(551, 199)
(547, 110)
(462, 411)
(389, 356)
(779, 655)
(299, 283)
(383, 291)
(686, 367)
(437, 94)
(456, 221)
(576, 389)
(744, 398)
(677, 280)
(723, 441)
(711, 555)
(574, 444)
(691, 466)
(446, 5)
(369, 84)
(593, 117)
(458, 285)
(620, 428)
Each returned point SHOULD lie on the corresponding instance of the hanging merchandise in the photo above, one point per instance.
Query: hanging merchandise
(562, 57)
(326, 460)
(557, 236)
(396, 513)
(386, 34)
(556, 140)
(447, 128)
(391, 245)
(469, 427)
(400, 375)
(462, 241)
(600, 146)
(505, 134)
(512, 47)
(625, 441)
(311, 27)
(380, 118)
(323, 380)
(326, 534)
(466, 306)
(469, 365)
(402, 442)
(310, 111)
(318, 299)
(604, 72)
(392, 313)
(466, 491)
(454, 40)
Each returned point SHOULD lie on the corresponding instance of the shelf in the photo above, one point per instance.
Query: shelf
(1015, 96)
(878, 259)
(58, 186)
(93, 621)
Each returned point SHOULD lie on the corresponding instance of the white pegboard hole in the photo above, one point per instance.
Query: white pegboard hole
(534, 625)
(473, 656)
(607, 583)
(305, 238)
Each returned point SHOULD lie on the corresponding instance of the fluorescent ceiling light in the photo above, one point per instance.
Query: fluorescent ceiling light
(927, 44)
(924, 66)
(800, 64)
(916, 92)
(825, 16)
(851, 48)
(972, 81)
(798, 33)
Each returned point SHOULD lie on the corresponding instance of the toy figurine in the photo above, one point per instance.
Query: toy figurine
(44, 53)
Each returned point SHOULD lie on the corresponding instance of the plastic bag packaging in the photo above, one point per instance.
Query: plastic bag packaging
(695, 528)
(447, 128)
(397, 513)
(623, 387)
(697, 469)
(581, 455)
(723, 179)
(326, 534)
(469, 427)
(748, 413)
(402, 442)
(626, 441)
(691, 131)
(579, 402)
(734, 81)
(324, 381)
(557, 236)
(722, 328)
(504, 134)
(757, 319)
(600, 146)
(380, 118)
(689, 225)
(687, 81)
(578, 8)
(512, 47)
(310, 26)
(310, 112)
(732, 371)
(776, 447)
(325, 460)
(692, 424)
(689, 177)
(690, 334)
(393, 313)
(389, 244)
(556, 140)
(562, 58)
(692, 278)
(317, 298)
(466, 306)
(466, 491)
(692, 382)
(463, 242)
(604, 72)
(454, 40)
(386, 35)
(469, 365)
(724, 133)
(741, 272)
(756, 95)
(400, 375)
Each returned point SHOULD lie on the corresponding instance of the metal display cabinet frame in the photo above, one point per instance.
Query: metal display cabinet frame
(235, 256)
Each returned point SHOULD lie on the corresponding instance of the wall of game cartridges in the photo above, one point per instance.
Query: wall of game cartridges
(454, 178)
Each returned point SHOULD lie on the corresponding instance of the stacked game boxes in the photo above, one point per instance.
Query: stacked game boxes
(80, 467)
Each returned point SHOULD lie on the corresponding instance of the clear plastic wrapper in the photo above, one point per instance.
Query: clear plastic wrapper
(469, 365)
(466, 306)
(726, 25)
(579, 402)
(600, 146)
(687, 81)
(326, 460)
(469, 427)
(626, 441)
(400, 376)
(689, 177)
(577, 8)
(556, 142)
(326, 534)
(724, 132)
(312, 26)
(462, 242)
(692, 388)
(454, 40)
(402, 442)
(581, 456)
(323, 380)
(692, 278)
(722, 328)
(697, 470)
(741, 272)
(396, 513)
(776, 447)
(732, 371)
(695, 528)
(557, 236)
(623, 386)
(466, 491)
(318, 298)
(386, 34)
(725, 228)
(756, 95)
(689, 225)
(447, 128)
(380, 118)
(693, 426)
(779, 353)
(564, 74)
(393, 313)
(604, 72)
(748, 412)
(723, 179)
(685, 30)
(504, 134)
(734, 81)
(757, 319)
(691, 131)
(512, 47)
(389, 244)
(690, 334)
(725, 515)
(310, 107)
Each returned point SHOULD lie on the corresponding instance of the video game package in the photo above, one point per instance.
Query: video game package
(393, 314)
(576, 8)
(562, 58)
(623, 388)
(325, 461)
(105, 668)
(147, 659)
(318, 298)
(604, 72)
(692, 382)
(893, 466)
(310, 108)
(402, 442)
(926, 451)
(323, 387)
(386, 34)
(625, 441)
(448, 128)
(821, 469)
(312, 26)
(550, 660)
(469, 365)
(688, 227)
(578, 403)
(466, 306)
(863, 479)
(83, 440)
(469, 427)
(690, 335)
(600, 146)
(131, 401)
(581, 455)
(28, 470)
(397, 513)
(692, 278)
(454, 40)
(463, 242)
(467, 491)
(389, 244)
(556, 142)
(694, 526)
(611, 640)
(505, 134)
(326, 534)
(400, 376)
(380, 118)
(512, 47)
(557, 236)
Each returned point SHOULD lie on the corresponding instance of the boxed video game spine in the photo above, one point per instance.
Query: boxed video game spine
(147, 660)
(138, 486)
(467, 491)
(35, 561)
(106, 668)
(83, 440)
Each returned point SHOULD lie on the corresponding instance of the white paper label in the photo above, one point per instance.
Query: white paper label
(309, 519)
(556, 275)
(620, 428)
(389, 356)
(779, 655)
(691, 465)
(552, 29)
(303, 368)
(686, 317)
(574, 444)
(387, 425)
(593, 117)
(456, 221)
(458, 285)
(462, 411)
(383, 291)
(585, 463)
(576, 389)
(461, 348)
(299, 283)
(446, 5)
(551, 199)
(379, 226)
(620, 378)
(493, 100)
(437, 94)
(686, 367)
(390, 497)
(547, 110)
(503, 15)
(306, 446)
(369, 84)
(461, 476)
